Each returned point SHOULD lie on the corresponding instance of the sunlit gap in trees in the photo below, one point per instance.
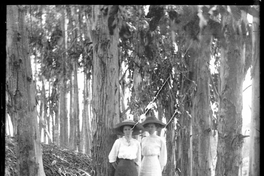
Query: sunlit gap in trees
(146, 9)
(246, 112)
(247, 90)
(126, 92)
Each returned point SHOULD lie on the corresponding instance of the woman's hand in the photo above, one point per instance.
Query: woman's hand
(137, 166)
(114, 164)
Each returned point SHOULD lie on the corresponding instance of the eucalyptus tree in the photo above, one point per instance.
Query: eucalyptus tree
(21, 94)
(235, 60)
(61, 43)
(104, 31)
(51, 65)
(74, 55)
(85, 64)
(254, 162)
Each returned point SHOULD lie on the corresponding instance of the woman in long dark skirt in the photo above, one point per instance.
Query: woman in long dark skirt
(125, 155)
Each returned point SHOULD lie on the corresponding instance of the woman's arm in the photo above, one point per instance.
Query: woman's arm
(163, 154)
(114, 152)
(138, 159)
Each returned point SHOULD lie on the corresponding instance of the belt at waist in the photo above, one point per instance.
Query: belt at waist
(125, 159)
(150, 155)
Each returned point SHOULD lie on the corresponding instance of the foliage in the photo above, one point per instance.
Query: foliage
(156, 42)
(146, 44)
(45, 37)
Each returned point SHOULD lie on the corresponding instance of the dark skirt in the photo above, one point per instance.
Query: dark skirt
(126, 168)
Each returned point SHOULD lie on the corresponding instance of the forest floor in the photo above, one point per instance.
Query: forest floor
(63, 162)
(56, 161)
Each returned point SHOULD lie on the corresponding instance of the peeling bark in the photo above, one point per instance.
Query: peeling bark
(230, 109)
(201, 127)
(170, 140)
(254, 161)
(105, 90)
(62, 90)
(21, 88)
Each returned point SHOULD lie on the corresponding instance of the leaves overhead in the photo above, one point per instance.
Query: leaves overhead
(154, 39)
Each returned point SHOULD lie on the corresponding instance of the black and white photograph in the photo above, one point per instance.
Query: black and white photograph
(131, 90)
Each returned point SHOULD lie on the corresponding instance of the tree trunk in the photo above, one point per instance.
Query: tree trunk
(254, 160)
(89, 116)
(170, 139)
(105, 90)
(40, 115)
(160, 115)
(21, 89)
(47, 137)
(183, 147)
(76, 93)
(49, 119)
(76, 106)
(62, 87)
(86, 137)
(83, 127)
(45, 119)
(72, 139)
(62, 114)
(183, 130)
(230, 108)
(72, 126)
(201, 128)
(66, 60)
(55, 120)
(84, 132)
(86, 88)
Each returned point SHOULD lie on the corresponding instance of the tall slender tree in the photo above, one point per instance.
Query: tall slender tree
(86, 66)
(105, 87)
(72, 125)
(230, 109)
(254, 162)
(200, 113)
(62, 83)
(75, 73)
(22, 94)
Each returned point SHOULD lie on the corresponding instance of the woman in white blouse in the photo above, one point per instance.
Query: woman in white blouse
(154, 149)
(125, 155)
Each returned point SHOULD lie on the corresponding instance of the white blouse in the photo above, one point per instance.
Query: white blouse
(122, 149)
(155, 145)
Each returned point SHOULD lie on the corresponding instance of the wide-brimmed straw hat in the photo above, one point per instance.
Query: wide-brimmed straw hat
(153, 119)
(136, 131)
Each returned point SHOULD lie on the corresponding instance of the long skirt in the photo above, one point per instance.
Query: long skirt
(150, 166)
(126, 167)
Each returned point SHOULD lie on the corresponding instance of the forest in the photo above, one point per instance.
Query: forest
(74, 71)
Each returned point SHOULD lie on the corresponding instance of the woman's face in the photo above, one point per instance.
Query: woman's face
(151, 128)
(127, 130)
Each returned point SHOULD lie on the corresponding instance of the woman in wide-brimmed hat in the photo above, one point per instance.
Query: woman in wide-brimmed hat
(154, 149)
(125, 155)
